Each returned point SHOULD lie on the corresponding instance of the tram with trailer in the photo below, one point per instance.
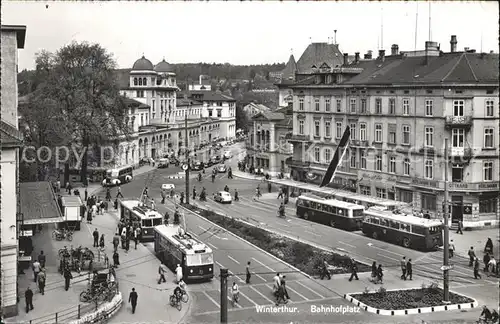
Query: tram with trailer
(174, 247)
(138, 213)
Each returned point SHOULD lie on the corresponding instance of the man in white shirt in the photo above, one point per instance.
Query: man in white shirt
(36, 269)
(492, 264)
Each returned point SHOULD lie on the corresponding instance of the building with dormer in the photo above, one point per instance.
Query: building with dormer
(400, 108)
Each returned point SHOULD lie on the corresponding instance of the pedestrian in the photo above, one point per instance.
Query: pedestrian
(380, 273)
(163, 196)
(451, 249)
(178, 273)
(276, 282)
(409, 269)
(488, 247)
(403, 268)
(476, 269)
(127, 243)
(124, 237)
(472, 256)
(108, 194)
(95, 234)
(374, 271)
(354, 270)
(116, 259)
(115, 204)
(42, 277)
(269, 187)
(236, 198)
(248, 275)
(166, 217)
(132, 299)
(67, 276)
(89, 215)
(36, 270)
(136, 236)
(280, 194)
(486, 260)
(162, 271)
(28, 297)
(116, 242)
(460, 227)
(492, 264)
(194, 193)
(119, 192)
(324, 270)
(101, 241)
(283, 288)
(86, 194)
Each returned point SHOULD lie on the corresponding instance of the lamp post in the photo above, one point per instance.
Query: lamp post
(188, 161)
(446, 234)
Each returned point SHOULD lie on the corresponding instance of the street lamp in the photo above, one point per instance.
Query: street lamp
(186, 151)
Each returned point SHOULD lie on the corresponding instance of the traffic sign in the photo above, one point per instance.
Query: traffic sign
(448, 267)
(185, 167)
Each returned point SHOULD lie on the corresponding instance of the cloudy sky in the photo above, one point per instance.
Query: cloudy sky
(246, 32)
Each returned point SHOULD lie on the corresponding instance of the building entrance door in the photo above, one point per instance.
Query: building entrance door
(153, 153)
(457, 210)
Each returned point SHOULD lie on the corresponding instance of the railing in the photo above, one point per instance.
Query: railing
(455, 121)
(460, 152)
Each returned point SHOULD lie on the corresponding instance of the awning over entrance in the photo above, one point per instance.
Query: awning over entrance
(38, 204)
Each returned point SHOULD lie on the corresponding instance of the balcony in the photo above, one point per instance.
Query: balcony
(299, 138)
(463, 154)
(458, 122)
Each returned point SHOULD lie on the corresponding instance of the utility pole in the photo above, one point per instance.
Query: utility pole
(223, 295)
(187, 155)
(446, 238)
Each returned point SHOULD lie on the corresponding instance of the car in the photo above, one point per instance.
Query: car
(221, 168)
(223, 197)
(228, 154)
(167, 186)
(215, 159)
(197, 166)
(163, 163)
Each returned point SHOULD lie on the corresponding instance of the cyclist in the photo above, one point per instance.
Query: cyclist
(178, 293)
(485, 315)
(494, 317)
(236, 293)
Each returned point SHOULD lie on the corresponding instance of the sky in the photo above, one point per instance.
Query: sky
(247, 32)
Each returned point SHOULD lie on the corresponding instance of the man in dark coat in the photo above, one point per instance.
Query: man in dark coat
(354, 270)
(28, 297)
(476, 269)
(460, 227)
(95, 234)
(409, 269)
(132, 299)
(67, 276)
(472, 256)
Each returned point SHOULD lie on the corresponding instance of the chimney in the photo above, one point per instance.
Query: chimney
(381, 54)
(346, 58)
(394, 49)
(201, 78)
(356, 57)
(368, 55)
(453, 43)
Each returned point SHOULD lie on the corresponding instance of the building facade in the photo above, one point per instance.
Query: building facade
(400, 109)
(13, 38)
(267, 146)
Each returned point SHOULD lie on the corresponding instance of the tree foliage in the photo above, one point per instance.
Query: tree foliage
(75, 100)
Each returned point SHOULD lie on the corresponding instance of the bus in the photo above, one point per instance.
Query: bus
(330, 212)
(403, 229)
(173, 248)
(118, 176)
(137, 212)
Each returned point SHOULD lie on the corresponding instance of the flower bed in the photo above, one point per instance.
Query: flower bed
(409, 298)
(300, 255)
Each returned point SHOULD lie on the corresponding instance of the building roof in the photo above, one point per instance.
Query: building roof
(182, 102)
(134, 103)
(208, 96)
(143, 64)
(269, 115)
(317, 54)
(122, 77)
(20, 31)
(38, 203)
(165, 67)
(9, 135)
(288, 73)
(71, 201)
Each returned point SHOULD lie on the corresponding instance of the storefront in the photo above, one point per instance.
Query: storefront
(474, 202)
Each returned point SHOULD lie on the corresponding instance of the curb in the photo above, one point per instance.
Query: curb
(410, 311)
(110, 309)
(252, 245)
(238, 175)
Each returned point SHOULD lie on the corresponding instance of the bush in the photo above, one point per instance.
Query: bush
(302, 256)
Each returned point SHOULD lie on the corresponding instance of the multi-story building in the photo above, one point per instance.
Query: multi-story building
(13, 38)
(267, 146)
(285, 78)
(203, 84)
(252, 109)
(400, 109)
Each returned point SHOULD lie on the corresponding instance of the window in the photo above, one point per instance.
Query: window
(406, 106)
(339, 105)
(429, 136)
(406, 167)
(328, 155)
(405, 196)
(209, 112)
(362, 155)
(429, 169)
(316, 154)
(362, 132)
(140, 93)
(488, 137)
(381, 193)
(365, 190)
(353, 159)
(144, 82)
(316, 128)
(392, 136)
(135, 81)
(353, 105)
(140, 81)
(219, 113)
(378, 106)
(339, 130)
(429, 104)
(316, 104)
(457, 173)
(487, 204)
(328, 131)
(392, 106)
(406, 134)
(489, 108)
(327, 104)
(363, 106)
(353, 131)
(428, 202)
(458, 108)
(301, 103)
(457, 137)
(378, 133)
(488, 171)
(392, 164)
(378, 163)
(301, 127)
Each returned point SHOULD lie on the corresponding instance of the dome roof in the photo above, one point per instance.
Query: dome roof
(142, 64)
(164, 67)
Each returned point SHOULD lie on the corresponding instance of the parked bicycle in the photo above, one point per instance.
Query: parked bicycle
(63, 234)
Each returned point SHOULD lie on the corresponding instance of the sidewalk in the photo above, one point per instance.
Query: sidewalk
(246, 175)
(477, 239)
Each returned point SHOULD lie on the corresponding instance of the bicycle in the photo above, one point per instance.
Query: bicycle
(62, 235)
(176, 302)
(64, 253)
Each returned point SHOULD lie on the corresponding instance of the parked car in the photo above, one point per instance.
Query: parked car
(197, 166)
(163, 163)
(215, 159)
(223, 197)
(228, 154)
(221, 168)
(167, 186)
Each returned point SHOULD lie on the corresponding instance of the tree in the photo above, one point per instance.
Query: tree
(80, 87)
(252, 74)
(242, 120)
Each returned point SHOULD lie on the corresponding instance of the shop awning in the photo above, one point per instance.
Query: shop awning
(38, 204)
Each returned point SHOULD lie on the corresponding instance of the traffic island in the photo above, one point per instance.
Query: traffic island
(304, 257)
(409, 301)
